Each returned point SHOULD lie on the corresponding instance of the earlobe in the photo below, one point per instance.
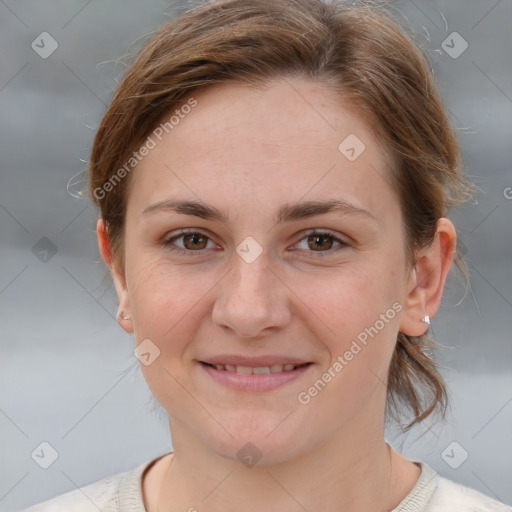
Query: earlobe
(123, 315)
(427, 280)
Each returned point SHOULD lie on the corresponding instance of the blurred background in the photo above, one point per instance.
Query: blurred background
(69, 378)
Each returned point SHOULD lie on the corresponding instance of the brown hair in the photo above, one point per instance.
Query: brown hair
(358, 51)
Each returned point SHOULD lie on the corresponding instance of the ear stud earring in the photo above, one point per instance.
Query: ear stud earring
(120, 315)
(426, 319)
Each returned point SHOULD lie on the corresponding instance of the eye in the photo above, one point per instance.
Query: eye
(321, 241)
(193, 241)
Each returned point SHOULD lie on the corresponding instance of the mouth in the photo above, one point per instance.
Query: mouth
(255, 370)
(253, 376)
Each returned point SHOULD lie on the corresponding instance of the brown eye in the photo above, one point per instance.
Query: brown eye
(191, 242)
(320, 242)
(194, 241)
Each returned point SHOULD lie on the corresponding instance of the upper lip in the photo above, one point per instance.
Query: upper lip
(254, 362)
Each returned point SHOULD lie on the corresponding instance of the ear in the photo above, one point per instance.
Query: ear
(117, 275)
(426, 281)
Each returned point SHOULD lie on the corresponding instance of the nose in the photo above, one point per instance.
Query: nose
(252, 299)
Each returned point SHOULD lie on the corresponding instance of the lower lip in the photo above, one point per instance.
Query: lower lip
(254, 382)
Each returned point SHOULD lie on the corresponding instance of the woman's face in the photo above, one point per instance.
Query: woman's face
(249, 286)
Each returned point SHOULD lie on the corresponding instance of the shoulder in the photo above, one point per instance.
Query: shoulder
(98, 495)
(451, 496)
(109, 494)
(434, 493)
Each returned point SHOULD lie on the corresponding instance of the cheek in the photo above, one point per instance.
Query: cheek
(166, 304)
(348, 301)
(165, 300)
(357, 313)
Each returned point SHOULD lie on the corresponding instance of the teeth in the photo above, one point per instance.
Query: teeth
(259, 370)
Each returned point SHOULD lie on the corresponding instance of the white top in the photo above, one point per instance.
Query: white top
(122, 492)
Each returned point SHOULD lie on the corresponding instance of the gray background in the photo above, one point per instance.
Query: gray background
(68, 374)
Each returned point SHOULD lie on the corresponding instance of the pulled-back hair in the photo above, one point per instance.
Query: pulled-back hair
(358, 51)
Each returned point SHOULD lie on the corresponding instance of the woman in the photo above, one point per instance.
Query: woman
(273, 180)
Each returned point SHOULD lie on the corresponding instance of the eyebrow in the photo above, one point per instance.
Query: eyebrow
(287, 213)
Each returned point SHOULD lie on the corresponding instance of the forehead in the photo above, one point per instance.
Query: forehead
(282, 112)
(292, 136)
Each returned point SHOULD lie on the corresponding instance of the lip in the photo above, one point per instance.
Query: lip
(254, 382)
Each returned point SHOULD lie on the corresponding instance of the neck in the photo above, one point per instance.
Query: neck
(355, 471)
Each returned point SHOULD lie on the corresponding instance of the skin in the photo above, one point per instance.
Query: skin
(248, 152)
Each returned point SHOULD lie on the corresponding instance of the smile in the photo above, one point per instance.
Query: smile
(258, 370)
(252, 378)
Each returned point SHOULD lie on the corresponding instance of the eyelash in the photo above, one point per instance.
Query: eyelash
(178, 250)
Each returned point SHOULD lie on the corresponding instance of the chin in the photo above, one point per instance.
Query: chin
(260, 439)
